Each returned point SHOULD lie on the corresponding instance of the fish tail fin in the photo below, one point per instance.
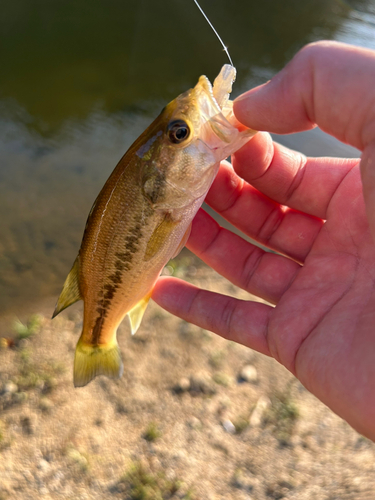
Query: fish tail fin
(90, 361)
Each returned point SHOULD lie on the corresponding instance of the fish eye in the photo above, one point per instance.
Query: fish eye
(178, 131)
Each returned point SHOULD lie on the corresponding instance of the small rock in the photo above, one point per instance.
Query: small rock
(43, 465)
(202, 384)
(256, 417)
(194, 423)
(121, 487)
(28, 476)
(183, 385)
(46, 405)
(249, 374)
(59, 475)
(229, 427)
(23, 344)
(10, 387)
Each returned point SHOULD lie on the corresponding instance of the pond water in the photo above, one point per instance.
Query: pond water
(81, 80)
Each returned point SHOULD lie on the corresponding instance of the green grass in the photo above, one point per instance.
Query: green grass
(31, 376)
(223, 379)
(152, 433)
(241, 423)
(32, 326)
(282, 415)
(216, 359)
(143, 484)
(80, 460)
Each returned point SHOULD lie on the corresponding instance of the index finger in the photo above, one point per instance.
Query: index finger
(286, 176)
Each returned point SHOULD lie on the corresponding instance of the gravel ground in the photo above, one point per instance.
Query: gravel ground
(193, 417)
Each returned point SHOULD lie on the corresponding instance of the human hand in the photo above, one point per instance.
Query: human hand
(313, 211)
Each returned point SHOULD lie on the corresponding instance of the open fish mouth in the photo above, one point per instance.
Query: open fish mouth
(220, 131)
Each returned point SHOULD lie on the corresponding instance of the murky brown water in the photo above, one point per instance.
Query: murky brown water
(81, 80)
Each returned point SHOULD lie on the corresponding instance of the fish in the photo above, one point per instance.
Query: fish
(142, 217)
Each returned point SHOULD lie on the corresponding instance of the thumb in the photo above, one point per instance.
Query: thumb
(328, 84)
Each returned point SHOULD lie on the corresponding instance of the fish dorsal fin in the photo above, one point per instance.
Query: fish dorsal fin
(183, 241)
(136, 314)
(70, 292)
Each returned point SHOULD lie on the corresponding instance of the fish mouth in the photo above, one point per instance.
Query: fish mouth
(219, 131)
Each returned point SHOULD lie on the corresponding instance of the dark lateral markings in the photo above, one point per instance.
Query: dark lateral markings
(122, 264)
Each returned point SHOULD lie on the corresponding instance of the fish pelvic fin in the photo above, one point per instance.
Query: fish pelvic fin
(158, 237)
(91, 361)
(136, 314)
(71, 292)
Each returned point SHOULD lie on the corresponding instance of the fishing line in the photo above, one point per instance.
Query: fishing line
(216, 33)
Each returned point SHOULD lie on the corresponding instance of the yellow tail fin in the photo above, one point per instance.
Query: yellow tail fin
(90, 361)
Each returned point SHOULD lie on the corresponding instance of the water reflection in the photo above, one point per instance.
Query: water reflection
(81, 81)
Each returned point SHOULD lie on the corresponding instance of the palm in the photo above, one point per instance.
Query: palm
(321, 328)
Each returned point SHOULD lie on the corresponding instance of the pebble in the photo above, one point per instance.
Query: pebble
(249, 374)
(194, 423)
(10, 387)
(46, 405)
(256, 417)
(28, 476)
(202, 384)
(23, 344)
(229, 427)
(183, 385)
(43, 465)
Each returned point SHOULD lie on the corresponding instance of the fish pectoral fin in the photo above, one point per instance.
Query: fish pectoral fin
(91, 361)
(160, 234)
(71, 292)
(183, 241)
(136, 314)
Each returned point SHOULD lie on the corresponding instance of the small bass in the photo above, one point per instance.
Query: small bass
(142, 217)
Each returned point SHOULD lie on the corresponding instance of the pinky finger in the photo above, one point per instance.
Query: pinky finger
(244, 322)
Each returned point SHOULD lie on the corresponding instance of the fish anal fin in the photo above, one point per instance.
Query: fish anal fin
(71, 291)
(136, 314)
(91, 361)
(183, 241)
(160, 234)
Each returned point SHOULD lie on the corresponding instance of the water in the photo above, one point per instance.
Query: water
(81, 80)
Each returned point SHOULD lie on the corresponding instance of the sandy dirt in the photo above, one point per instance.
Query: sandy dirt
(193, 417)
